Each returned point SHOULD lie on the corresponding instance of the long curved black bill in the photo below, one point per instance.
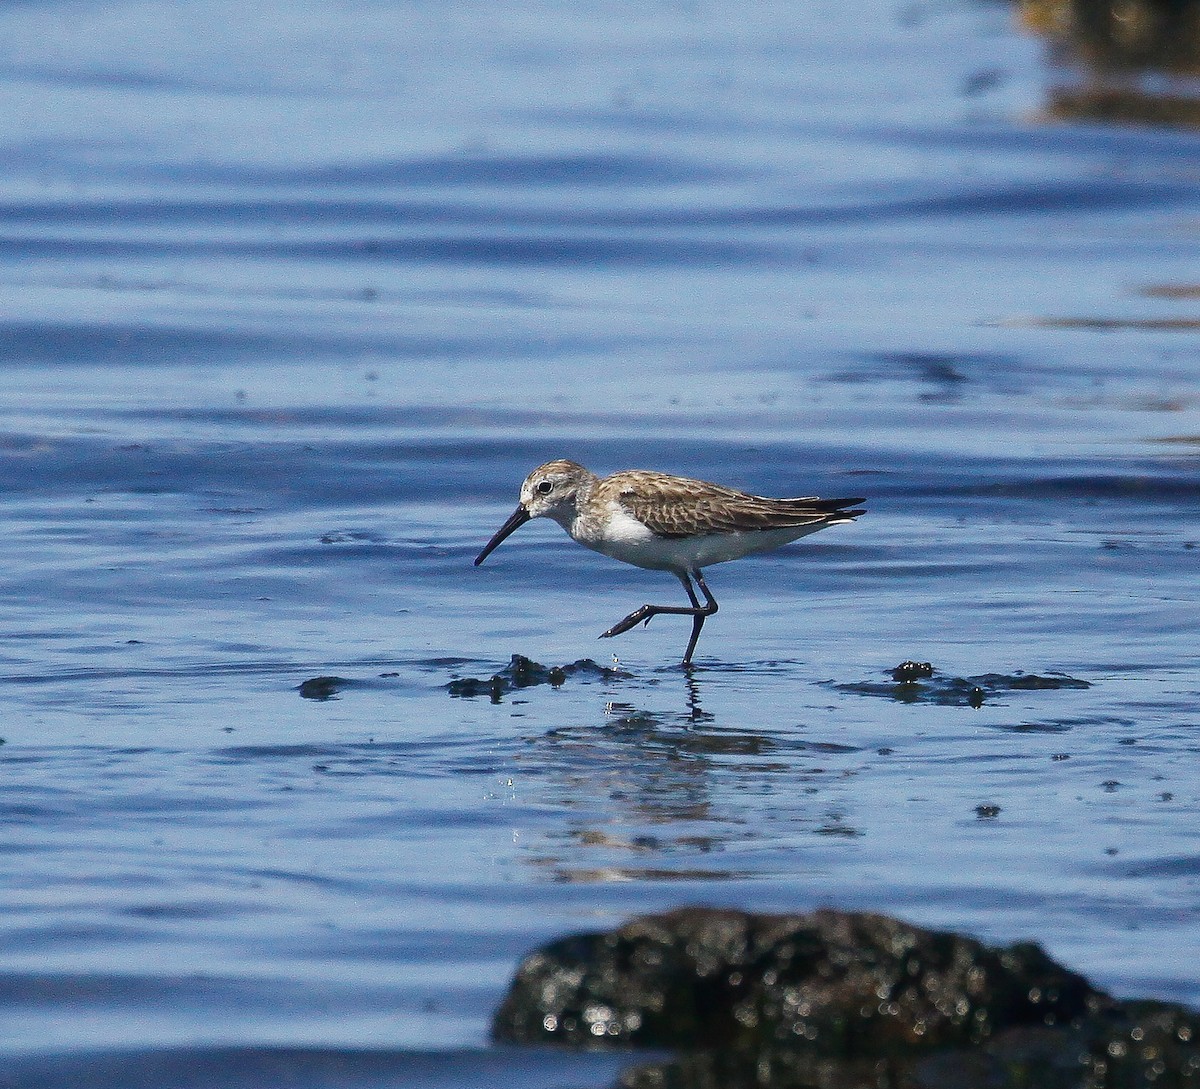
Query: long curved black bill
(517, 519)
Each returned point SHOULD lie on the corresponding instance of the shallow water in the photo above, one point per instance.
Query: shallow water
(294, 298)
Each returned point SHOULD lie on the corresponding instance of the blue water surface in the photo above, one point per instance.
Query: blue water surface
(293, 297)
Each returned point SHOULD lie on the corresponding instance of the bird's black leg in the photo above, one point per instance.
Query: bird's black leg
(701, 614)
(696, 611)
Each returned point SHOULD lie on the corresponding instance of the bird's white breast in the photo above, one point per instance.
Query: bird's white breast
(619, 535)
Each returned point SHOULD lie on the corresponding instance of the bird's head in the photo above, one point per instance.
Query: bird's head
(550, 491)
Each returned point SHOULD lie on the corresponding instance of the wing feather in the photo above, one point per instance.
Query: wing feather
(673, 507)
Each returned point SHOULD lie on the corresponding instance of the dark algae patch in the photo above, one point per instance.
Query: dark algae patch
(322, 688)
(920, 682)
(522, 672)
(838, 998)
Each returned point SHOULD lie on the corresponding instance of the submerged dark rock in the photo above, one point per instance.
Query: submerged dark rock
(920, 682)
(838, 999)
(322, 688)
(522, 672)
(1144, 1045)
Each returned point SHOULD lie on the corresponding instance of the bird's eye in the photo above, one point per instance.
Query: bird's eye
(545, 487)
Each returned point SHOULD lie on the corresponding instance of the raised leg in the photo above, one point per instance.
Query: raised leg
(699, 613)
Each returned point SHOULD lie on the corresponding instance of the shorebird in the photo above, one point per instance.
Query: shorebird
(666, 523)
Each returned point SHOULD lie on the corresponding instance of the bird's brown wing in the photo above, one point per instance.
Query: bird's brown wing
(672, 506)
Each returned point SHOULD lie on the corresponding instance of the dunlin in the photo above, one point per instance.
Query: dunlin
(666, 523)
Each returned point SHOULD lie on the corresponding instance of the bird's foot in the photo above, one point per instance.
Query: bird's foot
(638, 616)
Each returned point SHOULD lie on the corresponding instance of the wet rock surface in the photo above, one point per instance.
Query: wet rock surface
(909, 671)
(848, 981)
(838, 999)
